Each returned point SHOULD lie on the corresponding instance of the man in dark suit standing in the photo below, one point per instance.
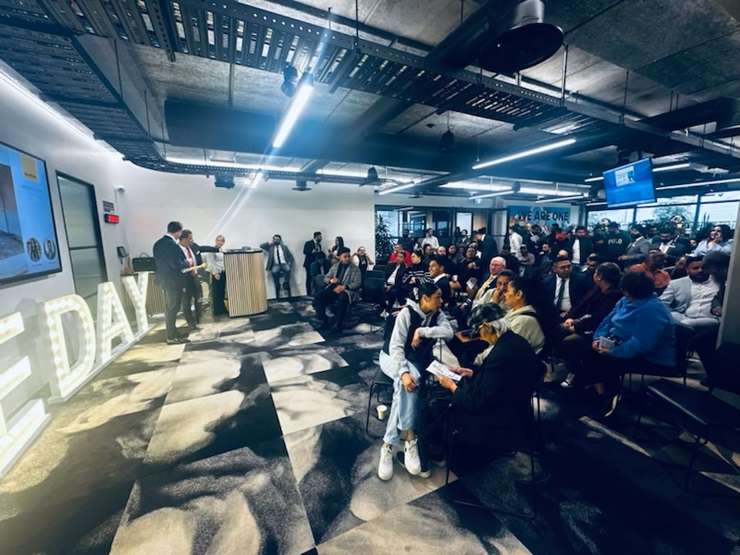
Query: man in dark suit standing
(310, 250)
(580, 246)
(486, 246)
(564, 287)
(171, 265)
(192, 291)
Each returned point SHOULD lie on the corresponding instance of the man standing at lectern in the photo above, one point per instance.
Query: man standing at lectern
(171, 267)
(279, 264)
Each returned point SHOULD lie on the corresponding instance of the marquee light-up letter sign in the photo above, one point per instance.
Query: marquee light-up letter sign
(66, 379)
(72, 312)
(19, 431)
(137, 294)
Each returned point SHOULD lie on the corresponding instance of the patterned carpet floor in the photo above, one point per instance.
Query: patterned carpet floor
(251, 439)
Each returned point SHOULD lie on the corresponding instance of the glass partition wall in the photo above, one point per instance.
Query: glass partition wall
(443, 221)
(696, 211)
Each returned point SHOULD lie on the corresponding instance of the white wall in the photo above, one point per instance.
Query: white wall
(30, 126)
(150, 199)
(245, 217)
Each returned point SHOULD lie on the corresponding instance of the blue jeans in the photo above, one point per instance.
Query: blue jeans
(404, 411)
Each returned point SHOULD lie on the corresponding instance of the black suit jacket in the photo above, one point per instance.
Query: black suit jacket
(198, 249)
(499, 391)
(398, 283)
(169, 261)
(488, 249)
(309, 254)
(578, 286)
(586, 248)
(593, 308)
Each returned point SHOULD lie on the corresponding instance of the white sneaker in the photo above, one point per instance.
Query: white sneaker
(411, 457)
(385, 466)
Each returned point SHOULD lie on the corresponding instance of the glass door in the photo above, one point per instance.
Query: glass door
(81, 223)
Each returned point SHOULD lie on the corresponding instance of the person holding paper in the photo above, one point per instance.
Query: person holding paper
(495, 393)
(407, 351)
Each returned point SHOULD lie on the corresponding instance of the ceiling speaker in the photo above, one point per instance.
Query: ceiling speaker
(522, 39)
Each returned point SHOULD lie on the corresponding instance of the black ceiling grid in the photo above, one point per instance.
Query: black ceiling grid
(237, 33)
(244, 35)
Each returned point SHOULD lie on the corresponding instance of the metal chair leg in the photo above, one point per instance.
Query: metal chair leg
(698, 442)
(369, 406)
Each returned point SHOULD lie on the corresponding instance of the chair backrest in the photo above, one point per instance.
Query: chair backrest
(379, 268)
(374, 274)
(372, 289)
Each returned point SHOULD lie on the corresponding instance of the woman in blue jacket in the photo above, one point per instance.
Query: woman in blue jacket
(639, 332)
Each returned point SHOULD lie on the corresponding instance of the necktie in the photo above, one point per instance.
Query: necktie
(561, 294)
(277, 253)
(190, 257)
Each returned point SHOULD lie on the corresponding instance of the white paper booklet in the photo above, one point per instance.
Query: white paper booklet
(439, 369)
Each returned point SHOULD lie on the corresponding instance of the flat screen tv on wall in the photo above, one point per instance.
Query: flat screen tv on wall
(630, 184)
(28, 241)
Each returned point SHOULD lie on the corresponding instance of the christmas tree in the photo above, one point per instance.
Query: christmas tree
(383, 243)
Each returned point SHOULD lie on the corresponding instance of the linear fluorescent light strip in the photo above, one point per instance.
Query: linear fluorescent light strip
(79, 128)
(294, 112)
(470, 186)
(396, 189)
(229, 164)
(525, 153)
(672, 167)
(489, 195)
(593, 179)
(701, 183)
(341, 173)
(560, 199)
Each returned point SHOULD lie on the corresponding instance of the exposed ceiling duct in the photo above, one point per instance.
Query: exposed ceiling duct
(522, 39)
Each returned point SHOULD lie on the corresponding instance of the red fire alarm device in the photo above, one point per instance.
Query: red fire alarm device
(111, 218)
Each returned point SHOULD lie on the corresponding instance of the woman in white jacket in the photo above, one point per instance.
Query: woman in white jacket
(407, 351)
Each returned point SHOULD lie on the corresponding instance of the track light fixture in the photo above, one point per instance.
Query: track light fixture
(290, 80)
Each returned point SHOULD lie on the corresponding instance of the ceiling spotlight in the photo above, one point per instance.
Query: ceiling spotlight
(521, 40)
(372, 177)
(290, 80)
(447, 141)
(224, 180)
(301, 185)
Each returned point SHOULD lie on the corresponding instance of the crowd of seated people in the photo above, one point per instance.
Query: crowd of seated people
(604, 301)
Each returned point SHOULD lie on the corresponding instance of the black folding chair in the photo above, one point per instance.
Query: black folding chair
(381, 382)
(532, 440)
(683, 336)
(702, 415)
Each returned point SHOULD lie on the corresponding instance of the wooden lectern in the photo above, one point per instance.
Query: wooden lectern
(245, 282)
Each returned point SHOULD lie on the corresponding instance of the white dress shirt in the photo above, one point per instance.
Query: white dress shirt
(433, 241)
(515, 242)
(392, 278)
(565, 305)
(576, 258)
(280, 255)
(188, 255)
(214, 262)
(701, 299)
